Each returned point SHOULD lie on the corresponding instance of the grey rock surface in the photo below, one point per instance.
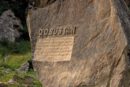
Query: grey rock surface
(9, 26)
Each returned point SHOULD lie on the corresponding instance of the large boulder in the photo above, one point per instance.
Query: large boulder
(80, 43)
(127, 2)
(9, 26)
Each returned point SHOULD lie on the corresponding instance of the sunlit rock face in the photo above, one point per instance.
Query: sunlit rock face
(9, 26)
(94, 55)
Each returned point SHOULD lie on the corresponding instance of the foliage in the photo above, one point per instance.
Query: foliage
(3, 6)
(7, 48)
(12, 56)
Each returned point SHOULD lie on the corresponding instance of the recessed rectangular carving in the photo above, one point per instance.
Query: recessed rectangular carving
(52, 46)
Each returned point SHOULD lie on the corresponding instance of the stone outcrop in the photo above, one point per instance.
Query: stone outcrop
(24, 67)
(9, 26)
(96, 55)
(127, 2)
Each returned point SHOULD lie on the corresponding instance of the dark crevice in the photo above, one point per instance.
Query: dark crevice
(33, 4)
(128, 54)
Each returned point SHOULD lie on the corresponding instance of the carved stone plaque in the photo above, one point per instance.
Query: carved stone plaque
(55, 44)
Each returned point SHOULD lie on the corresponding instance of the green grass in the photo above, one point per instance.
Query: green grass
(23, 78)
(7, 76)
(12, 56)
(22, 47)
(14, 61)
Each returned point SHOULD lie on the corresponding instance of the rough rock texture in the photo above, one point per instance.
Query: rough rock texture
(24, 67)
(9, 26)
(127, 2)
(99, 56)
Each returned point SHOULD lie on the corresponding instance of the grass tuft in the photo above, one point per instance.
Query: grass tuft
(12, 57)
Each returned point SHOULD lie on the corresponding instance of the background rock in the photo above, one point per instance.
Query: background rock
(24, 67)
(127, 2)
(9, 26)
